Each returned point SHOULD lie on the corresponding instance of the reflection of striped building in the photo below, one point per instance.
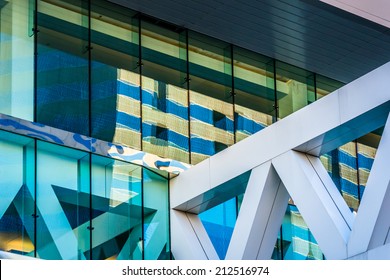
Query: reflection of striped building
(349, 167)
(164, 119)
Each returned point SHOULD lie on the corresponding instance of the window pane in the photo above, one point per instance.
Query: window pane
(115, 112)
(326, 85)
(164, 92)
(16, 59)
(295, 88)
(117, 209)
(63, 202)
(17, 194)
(298, 242)
(341, 165)
(254, 92)
(62, 77)
(156, 216)
(211, 108)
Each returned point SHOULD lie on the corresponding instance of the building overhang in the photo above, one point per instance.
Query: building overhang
(309, 34)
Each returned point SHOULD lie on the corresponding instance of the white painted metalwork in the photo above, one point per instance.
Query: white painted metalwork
(283, 161)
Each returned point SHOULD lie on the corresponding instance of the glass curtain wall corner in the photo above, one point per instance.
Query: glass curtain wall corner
(62, 203)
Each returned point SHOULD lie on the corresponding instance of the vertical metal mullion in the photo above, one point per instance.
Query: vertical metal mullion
(233, 94)
(357, 170)
(281, 242)
(188, 95)
(140, 75)
(89, 71)
(276, 105)
(35, 91)
(90, 126)
(169, 220)
(35, 75)
(35, 215)
(143, 213)
(315, 86)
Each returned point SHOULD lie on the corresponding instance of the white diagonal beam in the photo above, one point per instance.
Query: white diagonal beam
(260, 217)
(318, 207)
(189, 238)
(334, 120)
(372, 222)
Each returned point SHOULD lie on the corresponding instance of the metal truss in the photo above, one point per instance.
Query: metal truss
(283, 161)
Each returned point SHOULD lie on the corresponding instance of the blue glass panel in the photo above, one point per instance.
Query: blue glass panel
(219, 223)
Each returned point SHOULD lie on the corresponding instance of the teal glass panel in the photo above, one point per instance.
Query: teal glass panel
(325, 85)
(17, 194)
(164, 91)
(63, 200)
(219, 223)
(116, 209)
(156, 216)
(115, 79)
(211, 96)
(298, 242)
(16, 59)
(254, 92)
(367, 147)
(341, 165)
(295, 88)
(62, 65)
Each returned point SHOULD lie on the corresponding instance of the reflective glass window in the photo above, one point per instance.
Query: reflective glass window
(295, 241)
(295, 88)
(17, 58)
(341, 165)
(254, 92)
(156, 216)
(17, 194)
(115, 79)
(211, 96)
(63, 200)
(366, 151)
(62, 65)
(164, 91)
(116, 209)
(325, 85)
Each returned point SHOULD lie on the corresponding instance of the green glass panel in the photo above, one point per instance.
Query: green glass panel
(116, 209)
(156, 216)
(63, 201)
(115, 100)
(254, 92)
(295, 240)
(62, 65)
(16, 59)
(17, 194)
(164, 91)
(211, 96)
(295, 88)
(325, 85)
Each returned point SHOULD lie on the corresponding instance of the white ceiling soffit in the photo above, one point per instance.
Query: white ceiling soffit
(308, 34)
(375, 10)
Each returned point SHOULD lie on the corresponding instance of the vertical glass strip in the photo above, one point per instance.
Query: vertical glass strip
(211, 96)
(254, 92)
(17, 194)
(156, 216)
(16, 59)
(62, 65)
(164, 91)
(63, 203)
(116, 209)
(115, 115)
(295, 88)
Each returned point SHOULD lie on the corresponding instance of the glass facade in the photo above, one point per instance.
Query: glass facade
(62, 203)
(101, 70)
(108, 72)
